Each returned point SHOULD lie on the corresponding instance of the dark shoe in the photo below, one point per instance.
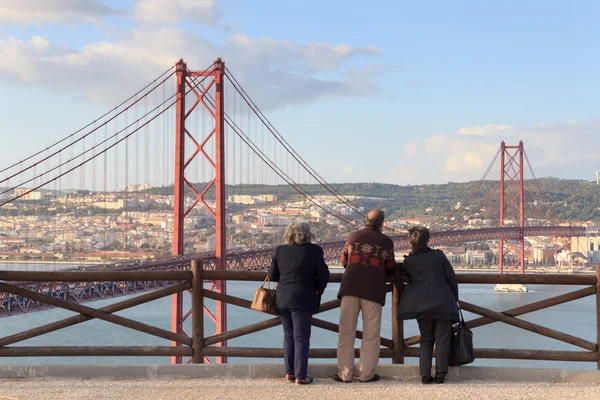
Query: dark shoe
(375, 378)
(426, 380)
(304, 381)
(439, 379)
(290, 378)
(338, 379)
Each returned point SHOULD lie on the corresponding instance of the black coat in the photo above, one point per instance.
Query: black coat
(302, 273)
(432, 291)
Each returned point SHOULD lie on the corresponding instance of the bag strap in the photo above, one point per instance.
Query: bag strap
(268, 282)
(462, 319)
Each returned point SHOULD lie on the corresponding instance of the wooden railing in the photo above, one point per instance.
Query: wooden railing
(199, 346)
(181, 281)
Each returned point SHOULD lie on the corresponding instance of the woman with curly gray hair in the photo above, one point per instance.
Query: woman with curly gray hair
(299, 267)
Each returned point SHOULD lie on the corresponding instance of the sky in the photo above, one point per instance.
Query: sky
(403, 92)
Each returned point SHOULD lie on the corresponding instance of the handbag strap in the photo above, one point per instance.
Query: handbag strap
(268, 282)
(462, 319)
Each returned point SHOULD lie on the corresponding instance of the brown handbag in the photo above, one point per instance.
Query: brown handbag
(264, 299)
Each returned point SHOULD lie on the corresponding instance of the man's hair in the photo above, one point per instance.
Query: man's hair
(375, 218)
(298, 233)
(418, 237)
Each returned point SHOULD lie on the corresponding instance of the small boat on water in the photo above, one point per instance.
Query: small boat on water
(510, 288)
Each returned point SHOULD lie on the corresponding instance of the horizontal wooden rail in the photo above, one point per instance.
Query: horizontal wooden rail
(252, 276)
(95, 276)
(523, 354)
(89, 351)
(335, 277)
(261, 352)
(527, 279)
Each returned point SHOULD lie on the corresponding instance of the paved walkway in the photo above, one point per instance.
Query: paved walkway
(265, 389)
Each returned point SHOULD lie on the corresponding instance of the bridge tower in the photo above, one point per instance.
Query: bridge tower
(211, 91)
(512, 207)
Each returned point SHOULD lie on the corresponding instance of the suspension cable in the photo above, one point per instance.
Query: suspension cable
(90, 124)
(287, 146)
(273, 166)
(97, 145)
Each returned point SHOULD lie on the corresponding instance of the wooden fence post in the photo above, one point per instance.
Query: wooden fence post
(397, 326)
(598, 314)
(197, 312)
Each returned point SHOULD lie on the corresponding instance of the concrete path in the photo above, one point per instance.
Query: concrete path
(265, 389)
(264, 382)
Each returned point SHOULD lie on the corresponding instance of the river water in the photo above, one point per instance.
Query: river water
(576, 318)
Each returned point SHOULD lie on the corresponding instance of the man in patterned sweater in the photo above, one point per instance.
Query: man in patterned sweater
(368, 257)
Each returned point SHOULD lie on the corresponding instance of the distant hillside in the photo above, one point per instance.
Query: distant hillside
(564, 199)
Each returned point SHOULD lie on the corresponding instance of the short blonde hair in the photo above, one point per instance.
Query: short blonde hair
(298, 233)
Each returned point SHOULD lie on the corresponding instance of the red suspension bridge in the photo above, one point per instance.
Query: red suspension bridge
(104, 190)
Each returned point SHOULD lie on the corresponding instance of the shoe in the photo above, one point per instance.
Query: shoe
(439, 379)
(290, 378)
(338, 379)
(304, 381)
(426, 380)
(375, 378)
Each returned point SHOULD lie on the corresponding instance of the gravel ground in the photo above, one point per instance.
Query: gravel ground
(265, 389)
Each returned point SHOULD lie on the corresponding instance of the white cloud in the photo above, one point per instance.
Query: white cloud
(462, 154)
(275, 73)
(348, 169)
(410, 149)
(39, 12)
(469, 160)
(315, 57)
(174, 11)
(15, 56)
(486, 130)
(39, 43)
(436, 144)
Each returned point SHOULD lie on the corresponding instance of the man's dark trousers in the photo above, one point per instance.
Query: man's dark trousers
(440, 332)
(296, 341)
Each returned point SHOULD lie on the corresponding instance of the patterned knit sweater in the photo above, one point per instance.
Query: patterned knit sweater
(368, 257)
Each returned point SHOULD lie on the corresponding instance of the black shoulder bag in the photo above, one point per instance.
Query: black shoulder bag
(461, 350)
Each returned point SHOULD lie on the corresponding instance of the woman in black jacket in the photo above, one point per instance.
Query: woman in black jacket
(430, 296)
(299, 267)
